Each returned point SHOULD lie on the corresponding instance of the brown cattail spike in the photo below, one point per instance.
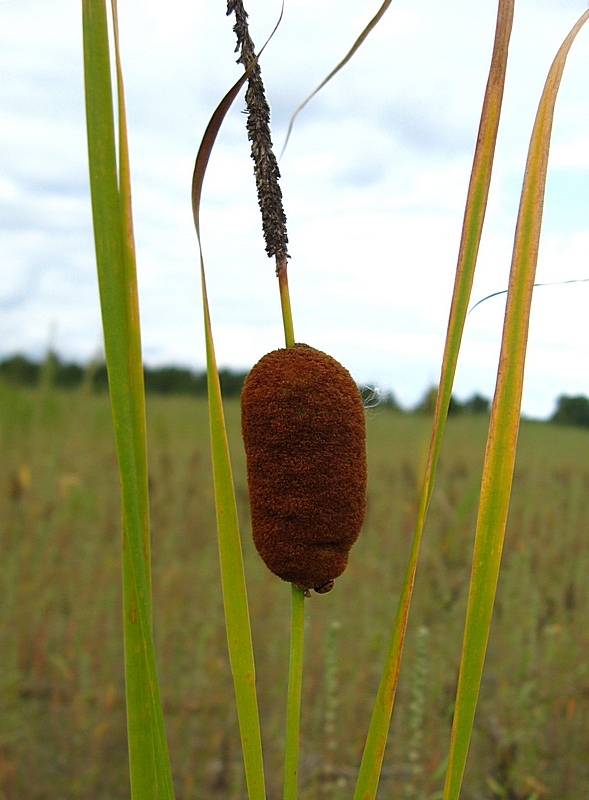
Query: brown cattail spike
(266, 168)
(303, 428)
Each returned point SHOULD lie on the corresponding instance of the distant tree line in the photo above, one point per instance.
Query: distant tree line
(569, 410)
(572, 411)
(476, 404)
(158, 380)
(176, 380)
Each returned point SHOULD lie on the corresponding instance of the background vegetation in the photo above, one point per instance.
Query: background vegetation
(62, 730)
(23, 371)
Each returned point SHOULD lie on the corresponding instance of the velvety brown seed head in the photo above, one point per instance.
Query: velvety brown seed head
(303, 428)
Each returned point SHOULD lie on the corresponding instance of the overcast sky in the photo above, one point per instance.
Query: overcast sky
(374, 182)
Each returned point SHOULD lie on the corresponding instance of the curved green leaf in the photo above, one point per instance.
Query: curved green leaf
(367, 783)
(504, 426)
(237, 622)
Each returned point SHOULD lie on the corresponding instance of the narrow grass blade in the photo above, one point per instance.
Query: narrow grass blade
(237, 620)
(129, 281)
(371, 25)
(504, 426)
(149, 765)
(143, 666)
(368, 776)
(536, 285)
(206, 146)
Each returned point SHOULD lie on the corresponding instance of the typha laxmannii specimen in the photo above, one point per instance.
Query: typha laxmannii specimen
(304, 432)
(302, 414)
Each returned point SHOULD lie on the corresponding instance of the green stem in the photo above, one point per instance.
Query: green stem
(293, 705)
(285, 302)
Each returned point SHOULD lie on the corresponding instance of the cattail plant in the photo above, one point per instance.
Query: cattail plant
(302, 414)
(306, 483)
(305, 441)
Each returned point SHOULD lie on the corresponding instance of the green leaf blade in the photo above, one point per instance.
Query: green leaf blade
(504, 426)
(476, 204)
(237, 621)
(148, 757)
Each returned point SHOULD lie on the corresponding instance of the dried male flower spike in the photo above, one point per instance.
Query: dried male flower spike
(266, 169)
(304, 432)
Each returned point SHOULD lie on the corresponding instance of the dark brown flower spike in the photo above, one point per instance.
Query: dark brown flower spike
(258, 129)
(304, 433)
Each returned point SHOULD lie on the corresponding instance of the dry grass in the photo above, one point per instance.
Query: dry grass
(62, 728)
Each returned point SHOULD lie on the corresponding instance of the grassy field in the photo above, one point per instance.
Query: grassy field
(62, 724)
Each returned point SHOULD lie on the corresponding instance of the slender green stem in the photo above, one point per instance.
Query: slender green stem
(281, 272)
(293, 706)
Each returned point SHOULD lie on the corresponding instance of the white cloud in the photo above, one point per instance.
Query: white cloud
(374, 181)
